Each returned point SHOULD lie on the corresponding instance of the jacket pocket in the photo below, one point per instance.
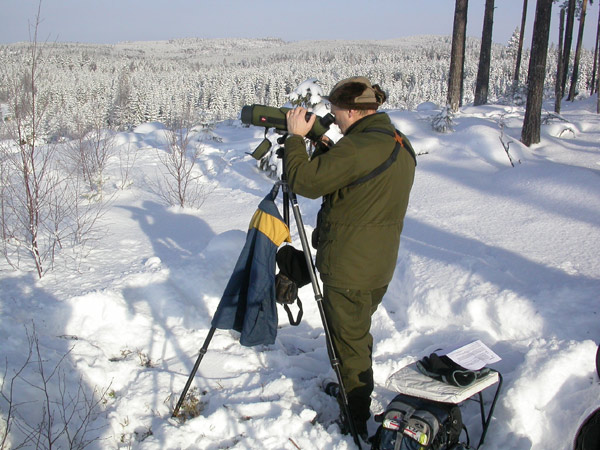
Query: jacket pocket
(324, 256)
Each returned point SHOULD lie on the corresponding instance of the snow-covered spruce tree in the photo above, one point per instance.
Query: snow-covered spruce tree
(306, 94)
(443, 121)
(512, 47)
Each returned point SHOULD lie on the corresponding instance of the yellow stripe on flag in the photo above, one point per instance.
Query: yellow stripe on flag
(270, 226)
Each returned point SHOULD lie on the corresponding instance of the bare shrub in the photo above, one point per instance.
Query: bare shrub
(127, 158)
(44, 408)
(40, 204)
(42, 211)
(179, 184)
(90, 151)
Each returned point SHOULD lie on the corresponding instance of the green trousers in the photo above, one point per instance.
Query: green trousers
(348, 313)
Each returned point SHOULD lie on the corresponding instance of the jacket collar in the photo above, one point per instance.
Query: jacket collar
(365, 122)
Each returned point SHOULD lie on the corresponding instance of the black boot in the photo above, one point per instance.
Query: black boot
(359, 425)
(333, 389)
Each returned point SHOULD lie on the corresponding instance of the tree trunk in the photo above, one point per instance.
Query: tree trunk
(485, 55)
(457, 55)
(575, 74)
(568, 43)
(596, 64)
(559, 69)
(520, 49)
(530, 134)
(462, 69)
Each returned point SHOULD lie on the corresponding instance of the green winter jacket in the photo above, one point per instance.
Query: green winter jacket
(360, 226)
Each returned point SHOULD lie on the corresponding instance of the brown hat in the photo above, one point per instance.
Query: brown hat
(357, 93)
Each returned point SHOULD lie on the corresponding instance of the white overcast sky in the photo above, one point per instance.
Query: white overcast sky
(110, 21)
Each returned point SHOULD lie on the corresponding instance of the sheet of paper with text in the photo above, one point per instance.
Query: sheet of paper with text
(474, 356)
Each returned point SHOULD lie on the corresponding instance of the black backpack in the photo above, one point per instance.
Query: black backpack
(411, 423)
(588, 435)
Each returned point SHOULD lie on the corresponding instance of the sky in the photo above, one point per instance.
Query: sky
(111, 21)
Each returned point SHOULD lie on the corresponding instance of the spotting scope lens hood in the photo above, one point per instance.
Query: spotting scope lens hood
(271, 117)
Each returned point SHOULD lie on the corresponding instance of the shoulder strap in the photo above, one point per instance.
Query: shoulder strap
(401, 142)
(400, 139)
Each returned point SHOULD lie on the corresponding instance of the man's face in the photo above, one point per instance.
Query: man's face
(342, 118)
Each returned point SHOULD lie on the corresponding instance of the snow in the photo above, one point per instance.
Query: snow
(506, 255)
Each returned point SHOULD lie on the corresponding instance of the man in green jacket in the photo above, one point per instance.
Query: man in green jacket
(365, 192)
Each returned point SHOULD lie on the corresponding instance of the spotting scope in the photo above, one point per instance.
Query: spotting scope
(271, 117)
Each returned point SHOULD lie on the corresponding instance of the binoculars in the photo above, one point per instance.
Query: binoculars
(271, 117)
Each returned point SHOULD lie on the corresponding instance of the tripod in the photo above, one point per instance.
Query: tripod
(290, 197)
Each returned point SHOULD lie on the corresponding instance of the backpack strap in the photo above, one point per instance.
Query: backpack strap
(401, 142)
(410, 410)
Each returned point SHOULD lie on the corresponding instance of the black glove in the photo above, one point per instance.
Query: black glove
(444, 369)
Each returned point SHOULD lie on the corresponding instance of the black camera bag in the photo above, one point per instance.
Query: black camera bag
(293, 274)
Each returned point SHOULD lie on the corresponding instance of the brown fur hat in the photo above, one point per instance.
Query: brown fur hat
(356, 93)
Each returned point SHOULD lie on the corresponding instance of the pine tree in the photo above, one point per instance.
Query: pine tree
(483, 72)
(457, 56)
(558, 88)
(520, 45)
(567, 44)
(595, 64)
(575, 74)
(530, 134)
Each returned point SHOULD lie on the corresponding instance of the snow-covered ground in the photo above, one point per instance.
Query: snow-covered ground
(506, 255)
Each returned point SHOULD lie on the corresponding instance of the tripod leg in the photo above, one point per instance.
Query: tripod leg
(203, 350)
(335, 362)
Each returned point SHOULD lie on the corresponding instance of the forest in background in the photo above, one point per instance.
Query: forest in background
(121, 85)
